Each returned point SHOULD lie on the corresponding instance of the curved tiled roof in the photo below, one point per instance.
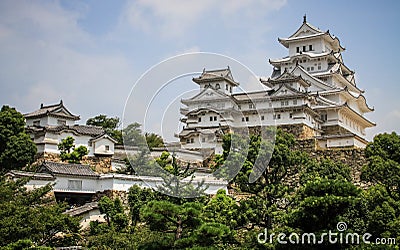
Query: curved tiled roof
(68, 169)
(57, 110)
(78, 129)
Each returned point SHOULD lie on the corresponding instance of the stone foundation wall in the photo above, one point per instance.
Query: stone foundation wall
(352, 157)
(300, 131)
(98, 164)
(335, 130)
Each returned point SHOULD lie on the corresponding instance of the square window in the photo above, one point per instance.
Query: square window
(75, 184)
(294, 102)
(107, 147)
(262, 118)
(36, 123)
(191, 140)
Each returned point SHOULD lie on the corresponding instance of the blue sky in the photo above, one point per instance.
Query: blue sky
(90, 53)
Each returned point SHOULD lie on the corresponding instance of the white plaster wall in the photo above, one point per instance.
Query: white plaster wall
(87, 184)
(100, 146)
(340, 142)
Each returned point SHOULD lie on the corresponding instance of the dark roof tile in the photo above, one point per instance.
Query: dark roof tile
(68, 169)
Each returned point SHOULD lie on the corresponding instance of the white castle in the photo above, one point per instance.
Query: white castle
(311, 93)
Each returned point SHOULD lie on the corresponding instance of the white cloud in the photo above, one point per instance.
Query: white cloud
(175, 17)
(46, 56)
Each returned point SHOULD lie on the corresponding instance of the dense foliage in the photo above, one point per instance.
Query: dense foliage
(17, 150)
(70, 153)
(295, 195)
(34, 216)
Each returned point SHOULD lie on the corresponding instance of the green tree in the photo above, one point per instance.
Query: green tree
(221, 209)
(114, 213)
(132, 135)
(167, 217)
(383, 167)
(173, 178)
(68, 151)
(110, 125)
(271, 193)
(17, 150)
(33, 215)
(153, 140)
(137, 198)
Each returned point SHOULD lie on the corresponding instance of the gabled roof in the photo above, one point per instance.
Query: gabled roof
(56, 110)
(288, 77)
(203, 93)
(216, 75)
(308, 31)
(285, 86)
(56, 168)
(103, 136)
(299, 70)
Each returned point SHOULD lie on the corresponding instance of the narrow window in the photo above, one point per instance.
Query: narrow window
(304, 48)
(262, 118)
(226, 87)
(211, 118)
(215, 118)
(247, 118)
(242, 119)
(191, 140)
(294, 102)
(297, 49)
(203, 139)
(310, 47)
(199, 119)
(290, 115)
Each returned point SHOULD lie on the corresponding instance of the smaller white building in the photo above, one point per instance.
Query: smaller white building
(52, 123)
(77, 183)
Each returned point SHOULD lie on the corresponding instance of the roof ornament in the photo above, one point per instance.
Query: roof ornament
(304, 18)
